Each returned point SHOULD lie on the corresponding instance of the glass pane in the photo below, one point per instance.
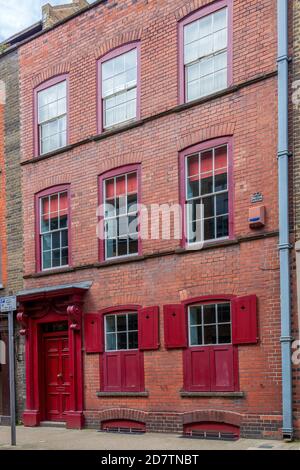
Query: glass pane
(107, 87)
(205, 26)
(220, 182)
(63, 221)
(46, 242)
(107, 69)
(122, 340)
(121, 205)
(119, 82)
(209, 314)
(191, 52)
(111, 248)
(131, 59)
(64, 256)
(121, 323)
(196, 335)
(131, 77)
(132, 202)
(64, 238)
(132, 321)
(222, 204)
(209, 229)
(133, 340)
(111, 230)
(222, 226)
(133, 246)
(193, 189)
(206, 46)
(133, 225)
(191, 32)
(193, 72)
(195, 316)
(61, 90)
(220, 19)
(122, 247)
(131, 109)
(223, 313)
(119, 64)
(206, 66)
(62, 106)
(47, 260)
(193, 90)
(54, 224)
(207, 183)
(221, 61)
(220, 40)
(55, 240)
(220, 79)
(210, 334)
(110, 324)
(209, 206)
(224, 334)
(123, 226)
(206, 85)
(55, 258)
(111, 344)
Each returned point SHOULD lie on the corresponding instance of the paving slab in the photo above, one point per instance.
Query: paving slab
(44, 438)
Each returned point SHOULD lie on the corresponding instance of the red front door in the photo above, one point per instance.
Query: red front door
(57, 376)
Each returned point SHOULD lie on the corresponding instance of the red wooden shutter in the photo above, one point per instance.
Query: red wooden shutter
(93, 332)
(222, 368)
(244, 320)
(149, 328)
(175, 326)
(132, 371)
(197, 370)
(112, 370)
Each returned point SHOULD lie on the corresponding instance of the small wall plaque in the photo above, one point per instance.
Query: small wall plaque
(257, 197)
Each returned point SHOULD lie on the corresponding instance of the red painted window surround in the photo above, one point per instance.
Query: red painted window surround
(121, 371)
(110, 174)
(182, 177)
(204, 11)
(111, 55)
(43, 86)
(48, 192)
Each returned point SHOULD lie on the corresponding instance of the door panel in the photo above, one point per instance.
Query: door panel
(222, 368)
(57, 377)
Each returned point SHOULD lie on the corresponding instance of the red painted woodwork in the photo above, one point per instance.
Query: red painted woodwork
(57, 377)
(123, 371)
(211, 426)
(175, 326)
(244, 320)
(149, 328)
(93, 333)
(210, 369)
(115, 424)
(197, 369)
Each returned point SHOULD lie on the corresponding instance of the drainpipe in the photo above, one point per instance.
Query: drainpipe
(284, 245)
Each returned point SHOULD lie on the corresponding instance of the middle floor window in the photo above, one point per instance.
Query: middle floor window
(121, 225)
(207, 193)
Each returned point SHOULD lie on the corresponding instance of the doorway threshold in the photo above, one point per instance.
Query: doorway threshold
(52, 424)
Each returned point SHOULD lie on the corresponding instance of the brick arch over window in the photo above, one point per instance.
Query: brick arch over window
(133, 158)
(190, 7)
(59, 69)
(118, 41)
(215, 416)
(124, 414)
(202, 135)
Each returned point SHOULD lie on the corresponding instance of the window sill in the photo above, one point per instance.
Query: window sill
(123, 260)
(212, 394)
(122, 394)
(208, 245)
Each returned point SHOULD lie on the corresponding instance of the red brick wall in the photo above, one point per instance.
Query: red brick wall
(248, 113)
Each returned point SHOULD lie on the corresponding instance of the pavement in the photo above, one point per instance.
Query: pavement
(44, 438)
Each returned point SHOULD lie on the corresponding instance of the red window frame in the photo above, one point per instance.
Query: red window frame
(49, 192)
(43, 86)
(202, 12)
(119, 357)
(228, 140)
(107, 175)
(120, 50)
(210, 353)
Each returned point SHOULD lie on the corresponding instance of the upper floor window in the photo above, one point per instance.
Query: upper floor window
(119, 86)
(54, 229)
(207, 193)
(205, 62)
(52, 116)
(121, 225)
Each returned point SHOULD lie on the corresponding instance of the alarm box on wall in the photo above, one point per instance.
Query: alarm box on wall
(257, 216)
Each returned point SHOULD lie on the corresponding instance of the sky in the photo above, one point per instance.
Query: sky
(16, 15)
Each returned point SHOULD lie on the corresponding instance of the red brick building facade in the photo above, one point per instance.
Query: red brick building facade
(175, 381)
